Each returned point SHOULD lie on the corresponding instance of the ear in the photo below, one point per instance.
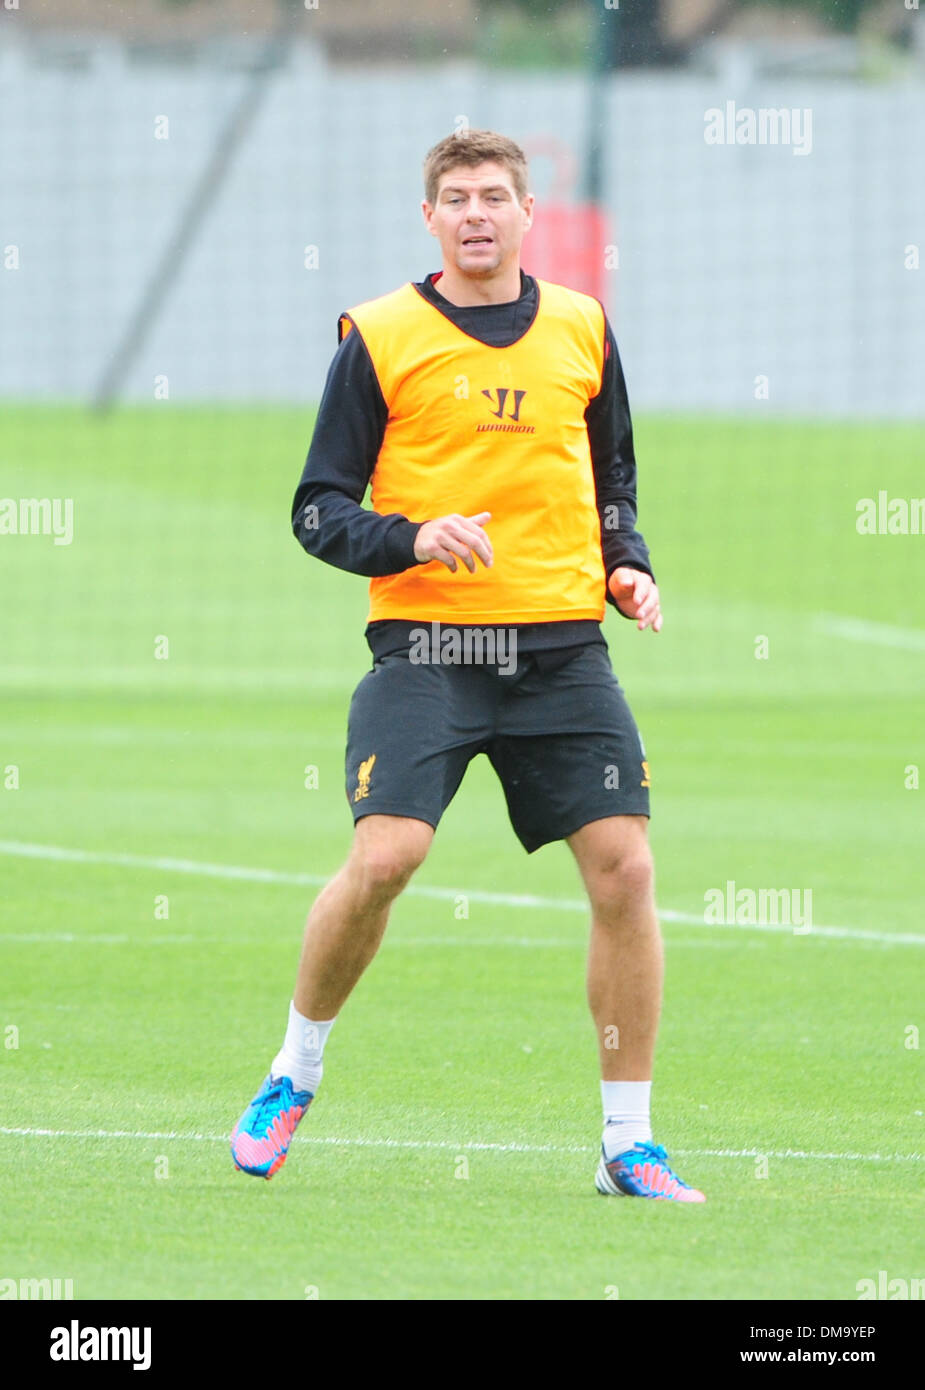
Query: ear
(428, 214)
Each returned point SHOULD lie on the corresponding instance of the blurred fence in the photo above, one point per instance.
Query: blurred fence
(740, 276)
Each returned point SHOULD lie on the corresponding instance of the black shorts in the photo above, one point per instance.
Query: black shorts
(564, 743)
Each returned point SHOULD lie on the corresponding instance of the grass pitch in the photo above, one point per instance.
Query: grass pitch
(451, 1150)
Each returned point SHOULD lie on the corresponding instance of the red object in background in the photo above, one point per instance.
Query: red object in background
(568, 240)
(567, 244)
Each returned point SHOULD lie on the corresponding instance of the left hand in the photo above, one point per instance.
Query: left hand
(636, 595)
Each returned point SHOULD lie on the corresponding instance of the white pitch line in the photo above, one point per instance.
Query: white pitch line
(909, 639)
(470, 1144)
(36, 938)
(242, 873)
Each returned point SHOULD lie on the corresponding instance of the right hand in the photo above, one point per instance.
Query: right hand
(454, 535)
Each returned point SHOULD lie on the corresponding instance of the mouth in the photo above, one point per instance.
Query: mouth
(478, 241)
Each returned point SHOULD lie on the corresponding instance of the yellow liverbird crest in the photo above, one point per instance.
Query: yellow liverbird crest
(363, 776)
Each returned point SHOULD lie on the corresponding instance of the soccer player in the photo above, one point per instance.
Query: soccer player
(489, 409)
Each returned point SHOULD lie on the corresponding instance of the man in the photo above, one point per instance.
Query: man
(489, 410)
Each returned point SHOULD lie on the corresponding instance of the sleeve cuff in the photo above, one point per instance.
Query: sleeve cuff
(399, 544)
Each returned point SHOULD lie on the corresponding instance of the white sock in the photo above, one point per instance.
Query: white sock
(626, 1115)
(302, 1050)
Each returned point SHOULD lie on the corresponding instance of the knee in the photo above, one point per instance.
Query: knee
(622, 878)
(385, 867)
(384, 874)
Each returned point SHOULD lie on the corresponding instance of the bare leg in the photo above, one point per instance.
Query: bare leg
(348, 918)
(625, 957)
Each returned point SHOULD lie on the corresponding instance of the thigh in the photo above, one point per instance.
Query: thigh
(603, 846)
(398, 844)
(412, 731)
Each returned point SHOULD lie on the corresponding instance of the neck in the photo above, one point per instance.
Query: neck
(467, 291)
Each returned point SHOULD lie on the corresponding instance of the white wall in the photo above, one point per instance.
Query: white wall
(734, 261)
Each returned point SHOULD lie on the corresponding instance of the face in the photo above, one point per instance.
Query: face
(478, 220)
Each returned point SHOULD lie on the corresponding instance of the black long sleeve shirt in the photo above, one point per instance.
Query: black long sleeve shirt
(348, 435)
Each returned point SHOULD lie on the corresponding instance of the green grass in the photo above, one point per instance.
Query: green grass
(788, 771)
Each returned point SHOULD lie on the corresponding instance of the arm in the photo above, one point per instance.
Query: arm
(327, 516)
(610, 436)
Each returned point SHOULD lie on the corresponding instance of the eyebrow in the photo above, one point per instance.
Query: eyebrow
(487, 188)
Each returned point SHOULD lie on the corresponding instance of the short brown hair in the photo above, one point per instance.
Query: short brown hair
(470, 148)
